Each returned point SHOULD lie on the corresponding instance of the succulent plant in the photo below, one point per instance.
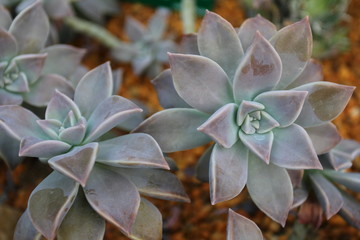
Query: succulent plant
(248, 93)
(147, 51)
(240, 227)
(91, 178)
(325, 190)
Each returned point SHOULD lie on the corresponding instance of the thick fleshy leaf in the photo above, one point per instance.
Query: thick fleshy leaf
(31, 29)
(31, 65)
(50, 201)
(324, 102)
(351, 180)
(109, 113)
(222, 127)
(203, 165)
(9, 98)
(134, 29)
(245, 108)
(350, 211)
(177, 124)
(328, 195)
(8, 46)
(131, 150)
(168, 97)
(20, 85)
(5, 18)
(266, 123)
(73, 135)
(50, 127)
(57, 9)
(76, 164)
(189, 44)
(283, 106)
(113, 197)
(45, 87)
(324, 137)
(148, 223)
(294, 46)
(228, 172)
(218, 40)
(93, 88)
(239, 227)
(20, 122)
(265, 184)
(62, 59)
(250, 26)
(35, 147)
(311, 73)
(344, 153)
(9, 148)
(200, 81)
(292, 148)
(142, 62)
(259, 70)
(25, 230)
(300, 196)
(259, 144)
(157, 23)
(60, 106)
(157, 183)
(161, 49)
(81, 222)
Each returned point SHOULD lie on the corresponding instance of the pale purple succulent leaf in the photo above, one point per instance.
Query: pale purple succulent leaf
(200, 81)
(31, 28)
(125, 52)
(30, 64)
(59, 107)
(250, 26)
(162, 48)
(113, 197)
(328, 195)
(81, 222)
(218, 40)
(5, 18)
(259, 144)
(20, 85)
(265, 184)
(50, 127)
(117, 80)
(350, 211)
(283, 106)
(141, 63)
(293, 43)
(228, 172)
(324, 137)
(57, 9)
(259, 70)
(76, 164)
(50, 201)
(8, 46)
(239, 227)
(157, 183)
(292, 148)
(96, 10)
(168, 97)
(189, 44)
(62, 59)
(157, 23)
(351, 180)
(296, 177)
(25, 230)
(221, 126)
(203, 165)
(245, 108)
(9, 148)
(324, 102)
(300, 196)
(73, 135)
(8, 98)
(148, 223)
(344, 153)
(20, 122)
(311, 73)
(93, 88)
(109, 113)
(44, 89)
(134, 29)
(35, 147)
(267, 123)
(131, 150)
(177, 124)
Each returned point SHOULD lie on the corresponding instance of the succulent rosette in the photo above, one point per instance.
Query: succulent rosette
(92, 180)
(244, 90)
(147, 51)
(326, 190)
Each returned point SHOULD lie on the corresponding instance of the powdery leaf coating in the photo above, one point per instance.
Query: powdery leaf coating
(9, 148)
(134, 29)
(239, 227)
(265, 184)
(24, 229)
(5, 18)
(157, 23)
(259, 144)
(189, 44)
(350, 211)
(343, 153)
(35, 147)
(311, 73)
(8, 46)
(31, 65)
(351, 180)
(59, 107)
(323, 137)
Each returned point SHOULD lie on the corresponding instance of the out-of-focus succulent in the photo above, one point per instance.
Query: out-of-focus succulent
(147, 51)
(325, 190)
(239, 227)
(249, 94)
(91, 178)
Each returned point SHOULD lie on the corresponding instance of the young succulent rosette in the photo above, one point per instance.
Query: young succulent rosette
(325, 190)
(147, 51)
(243, 95)
(91, 178)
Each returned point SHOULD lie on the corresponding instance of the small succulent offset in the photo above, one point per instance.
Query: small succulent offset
(326, 189)
(147, 51)
(91, 178)
(248, 93)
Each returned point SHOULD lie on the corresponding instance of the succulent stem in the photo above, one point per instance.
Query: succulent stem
(188, 14)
